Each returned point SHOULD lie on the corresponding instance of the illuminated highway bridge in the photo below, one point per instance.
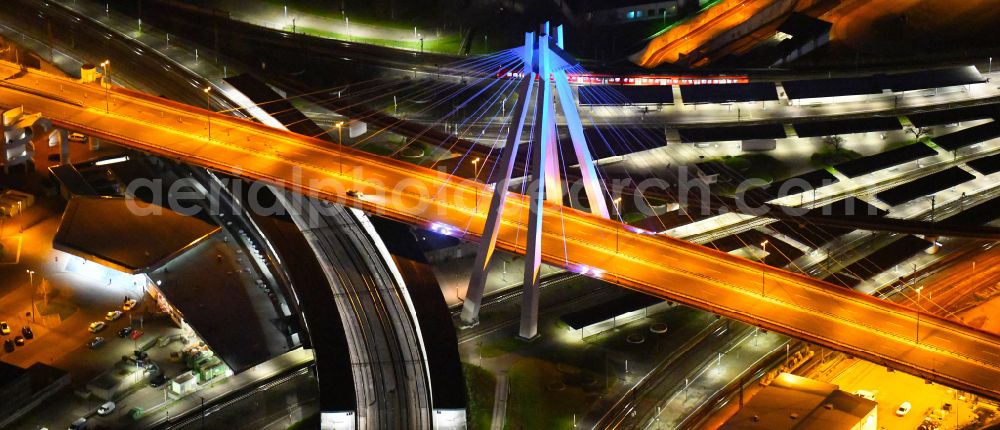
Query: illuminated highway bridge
(899, 337)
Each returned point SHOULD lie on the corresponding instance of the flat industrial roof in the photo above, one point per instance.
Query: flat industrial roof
(108, 230)
(924, 186)
(317, 307)
(608, 141)
(739, 132)
(986, 165)
(794, 402)
(872, 163)
(779, 252)
(601, 95)
(874, 84)
(803, 26)
(949, 116)
(879, 261)
(632, 301)
(833, 87)
(70, 177)
(433, 319)
(815, 235)
(849, 206)
(936, 78)
(799, 183)
(980, 214)
(968, 136)
(846, 126)
(726, 93)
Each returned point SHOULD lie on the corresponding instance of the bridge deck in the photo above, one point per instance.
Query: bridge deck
(796, 305)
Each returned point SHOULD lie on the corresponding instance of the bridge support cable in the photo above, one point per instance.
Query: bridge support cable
(477, 284)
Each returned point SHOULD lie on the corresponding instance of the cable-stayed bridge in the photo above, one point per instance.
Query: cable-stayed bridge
(802, 307)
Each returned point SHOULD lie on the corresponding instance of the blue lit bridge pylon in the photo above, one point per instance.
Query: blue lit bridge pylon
(544, 61)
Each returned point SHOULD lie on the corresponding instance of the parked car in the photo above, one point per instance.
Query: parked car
(865, 394)
(77, 137)
(356, 194)
(113, 315)
(128, 305)
(95, 342)
(79, 424)
(4, 328)
(158, 380)
(904, 409)
(8, 345)
(19, 340)
(97, 326)
(27, 333)
(136, 334)
(106, 409)
(124, 332)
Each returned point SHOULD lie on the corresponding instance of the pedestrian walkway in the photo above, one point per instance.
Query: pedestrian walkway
(702, 385)
(500, 402)
(158, 411)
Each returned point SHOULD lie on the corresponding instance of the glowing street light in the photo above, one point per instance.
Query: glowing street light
(106, 65)
(475, 167)
(918, 290)
(616, 202)
(340, 144)
(31, 288)
(208, 107)
(763, 269)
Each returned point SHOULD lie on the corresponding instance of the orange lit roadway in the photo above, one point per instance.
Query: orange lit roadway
(796, 305)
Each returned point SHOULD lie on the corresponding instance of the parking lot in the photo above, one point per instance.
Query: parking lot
(893, 388)
(67, 295)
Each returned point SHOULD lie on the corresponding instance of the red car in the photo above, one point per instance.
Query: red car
(136, 334)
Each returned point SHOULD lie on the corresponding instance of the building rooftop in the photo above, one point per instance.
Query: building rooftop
(107, 230)
(794, 402)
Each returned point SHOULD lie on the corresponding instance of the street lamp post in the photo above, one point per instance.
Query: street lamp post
(340, 144)
(208, 107)
(763, 269)
(618, 213)
(475, 171)
(106, 65)
(918, 290)
(31, 288)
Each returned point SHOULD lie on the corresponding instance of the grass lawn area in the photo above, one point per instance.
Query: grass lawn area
(383, 148)
(926, 140)
(332, 10)
(831, 157)
(758, 166)
(543, 396)
(480, 387)
(310, 422)
(444, 45)
(630, 217)
(501, 346)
